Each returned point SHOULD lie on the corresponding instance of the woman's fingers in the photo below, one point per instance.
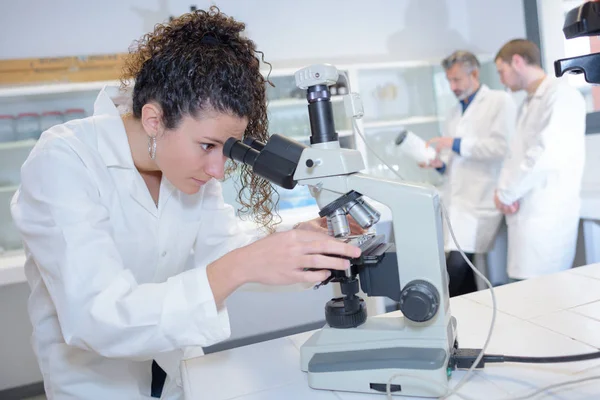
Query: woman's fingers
(320, 225)
(319, 261)
(311, 276)
(315, 225)
(330, 246)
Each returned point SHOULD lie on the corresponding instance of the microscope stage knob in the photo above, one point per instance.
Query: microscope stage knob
(419, 301)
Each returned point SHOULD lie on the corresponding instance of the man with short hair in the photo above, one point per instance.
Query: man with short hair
(540, 182)
(475, 141)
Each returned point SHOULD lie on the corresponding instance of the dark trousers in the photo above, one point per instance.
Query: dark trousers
(462, 277)
(158, 380)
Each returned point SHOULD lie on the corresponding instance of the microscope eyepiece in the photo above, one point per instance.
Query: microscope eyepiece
(255, 144)
(275, 161)
(238, 151)
(318, 93)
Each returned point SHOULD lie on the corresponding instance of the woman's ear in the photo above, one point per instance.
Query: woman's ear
(152, 119)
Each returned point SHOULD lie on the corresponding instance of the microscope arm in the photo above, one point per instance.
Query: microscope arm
(353, 352)
(418, 240)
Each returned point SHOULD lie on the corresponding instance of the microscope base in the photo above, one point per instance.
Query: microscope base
(363, 359)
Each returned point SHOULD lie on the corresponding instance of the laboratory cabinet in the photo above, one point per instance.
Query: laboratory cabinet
(410, 95)
(25, 112)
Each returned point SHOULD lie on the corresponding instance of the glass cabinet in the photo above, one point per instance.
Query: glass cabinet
(24, 113)
(411, 96)
(396, 96)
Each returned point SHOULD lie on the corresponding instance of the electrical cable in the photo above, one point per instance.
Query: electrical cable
(491, 358)
(355, 126)
(475, 270)
(481, 357)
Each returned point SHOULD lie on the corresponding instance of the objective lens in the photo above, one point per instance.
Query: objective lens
(365, 215)
(339, 223)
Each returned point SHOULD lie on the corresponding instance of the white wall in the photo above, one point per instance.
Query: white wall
(283, 29)
(287, 31)
(551, 20)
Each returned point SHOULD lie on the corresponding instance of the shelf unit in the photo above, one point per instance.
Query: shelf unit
(396, 95)
(297, 102)
(18, 145)
(36, 99)
(404, 122)
(54, 88)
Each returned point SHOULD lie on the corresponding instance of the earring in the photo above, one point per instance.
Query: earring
(152, 147)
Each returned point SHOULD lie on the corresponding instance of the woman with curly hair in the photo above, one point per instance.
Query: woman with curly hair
(131, 251)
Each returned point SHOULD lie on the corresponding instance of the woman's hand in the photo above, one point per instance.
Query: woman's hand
(320, 225)
(284, 258)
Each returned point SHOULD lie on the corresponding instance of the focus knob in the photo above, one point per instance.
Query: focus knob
(419, 301)
(338, 316)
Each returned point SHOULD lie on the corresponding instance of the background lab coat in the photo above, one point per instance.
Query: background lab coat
(544, 172)
(108, 270)
(471, 177)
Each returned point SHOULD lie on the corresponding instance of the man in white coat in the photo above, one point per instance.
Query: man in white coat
(540, 182)
(474, 144)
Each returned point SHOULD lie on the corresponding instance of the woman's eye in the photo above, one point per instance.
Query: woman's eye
(206, 146)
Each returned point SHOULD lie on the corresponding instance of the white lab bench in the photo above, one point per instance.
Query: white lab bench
(267, 315)
(253, 315)
(557, 314)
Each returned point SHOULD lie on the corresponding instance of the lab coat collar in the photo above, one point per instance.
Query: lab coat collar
(544, 86)
(466, 102)
(481, 92)
(479, 95)
(112, 138)
(114, 149)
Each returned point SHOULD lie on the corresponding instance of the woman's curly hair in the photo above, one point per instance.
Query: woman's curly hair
(200, 61)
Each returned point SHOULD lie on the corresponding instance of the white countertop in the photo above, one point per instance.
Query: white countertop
(11, 267)
(557, 314)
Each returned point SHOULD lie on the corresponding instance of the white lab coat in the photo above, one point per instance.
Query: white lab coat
(471, 177)
(543, 172)
(114, 283)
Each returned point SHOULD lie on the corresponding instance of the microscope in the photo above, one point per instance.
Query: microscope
(353, 352)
